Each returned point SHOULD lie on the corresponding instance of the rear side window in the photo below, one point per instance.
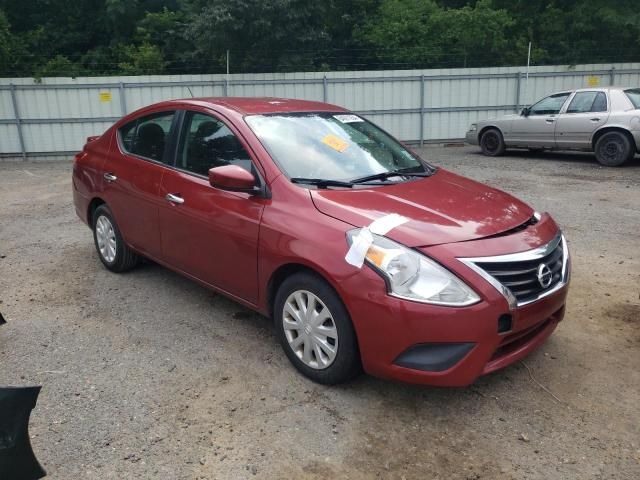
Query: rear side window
(634, 96)
(584, 102)
(148, 136)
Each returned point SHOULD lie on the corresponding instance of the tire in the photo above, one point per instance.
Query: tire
(614, 149)
(112, 250)
(492, 143)
(300, 289)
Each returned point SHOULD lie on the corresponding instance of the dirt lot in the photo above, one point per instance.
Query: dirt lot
(148, 375)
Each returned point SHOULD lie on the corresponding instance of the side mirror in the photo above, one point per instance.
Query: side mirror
(525, 112)
(232, 178)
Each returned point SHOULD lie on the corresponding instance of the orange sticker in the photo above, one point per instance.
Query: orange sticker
(335, 142)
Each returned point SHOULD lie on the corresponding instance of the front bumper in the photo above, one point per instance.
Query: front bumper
(472, 137)
(444, 346)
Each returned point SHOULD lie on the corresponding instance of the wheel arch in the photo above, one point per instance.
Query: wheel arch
(93, 205)
(280, 274)
(613, 128)
(489, 127)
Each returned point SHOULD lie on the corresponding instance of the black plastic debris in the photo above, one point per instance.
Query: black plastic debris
(17, 460)
(2, 320)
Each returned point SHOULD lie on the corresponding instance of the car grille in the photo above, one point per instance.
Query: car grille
(521, 277)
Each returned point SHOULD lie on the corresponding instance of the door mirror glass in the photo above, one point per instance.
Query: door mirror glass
(232, 178)
(525, 112)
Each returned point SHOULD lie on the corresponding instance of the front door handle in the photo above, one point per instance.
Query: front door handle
(173, 198)
(550, 120)
(110, 177)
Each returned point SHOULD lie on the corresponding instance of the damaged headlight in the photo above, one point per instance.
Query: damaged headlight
(412, 276)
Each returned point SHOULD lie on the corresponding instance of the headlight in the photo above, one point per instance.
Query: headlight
(412, 276)
(473, 127)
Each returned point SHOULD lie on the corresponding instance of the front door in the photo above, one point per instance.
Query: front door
(133, 173)
(587, 111)
(537, 129)
(208, 233)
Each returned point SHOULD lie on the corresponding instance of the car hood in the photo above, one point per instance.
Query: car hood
(442, 208)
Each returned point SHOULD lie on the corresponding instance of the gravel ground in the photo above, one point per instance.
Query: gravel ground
(148, 375)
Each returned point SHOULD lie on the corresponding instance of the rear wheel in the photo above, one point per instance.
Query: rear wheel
(492, 143)
(315, 330)
(113, 252)
(614, 149)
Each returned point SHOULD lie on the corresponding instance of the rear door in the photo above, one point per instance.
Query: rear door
(132, 177)
(587, 111)
(538, 128)
(208, 233)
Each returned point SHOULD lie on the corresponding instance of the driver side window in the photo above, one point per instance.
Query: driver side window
(550, 105)
(207, 143)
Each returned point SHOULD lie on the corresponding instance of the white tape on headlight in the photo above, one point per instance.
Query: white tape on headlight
(362, 242)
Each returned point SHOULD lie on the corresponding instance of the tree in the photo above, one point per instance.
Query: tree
(420, 32)
(145, 59)
(270, 34)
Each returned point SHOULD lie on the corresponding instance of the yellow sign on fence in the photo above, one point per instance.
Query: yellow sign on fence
(105, 96)
(593, 81)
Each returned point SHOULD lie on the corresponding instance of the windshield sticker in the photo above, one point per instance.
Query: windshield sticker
(348, 118)
(335, 142)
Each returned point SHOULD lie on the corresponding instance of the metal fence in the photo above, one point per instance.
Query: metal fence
(53, 117)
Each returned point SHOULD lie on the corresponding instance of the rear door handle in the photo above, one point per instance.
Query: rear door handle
(174, 198)
(110, 177)
(550, 120)
(595, 119)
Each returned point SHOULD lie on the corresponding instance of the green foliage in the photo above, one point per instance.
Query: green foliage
(60, 66)
(145, 59)
(103, 37)
(5, 40)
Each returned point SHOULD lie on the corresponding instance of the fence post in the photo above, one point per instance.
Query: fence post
(325, 87)
(16, 114)
(612, 76)
(226, 87)
(421, 110)
(518, 80)
(123, 100)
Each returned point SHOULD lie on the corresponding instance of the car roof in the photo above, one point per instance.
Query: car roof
(262, 105)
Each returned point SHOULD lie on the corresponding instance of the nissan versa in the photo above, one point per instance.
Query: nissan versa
(365, 256)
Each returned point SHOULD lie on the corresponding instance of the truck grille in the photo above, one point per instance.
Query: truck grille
(526, 275)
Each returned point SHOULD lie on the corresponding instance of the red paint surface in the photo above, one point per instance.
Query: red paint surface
(236, 242)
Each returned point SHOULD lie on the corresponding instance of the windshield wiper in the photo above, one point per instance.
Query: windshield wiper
(322, 182)
(393, 173)
(325, 182)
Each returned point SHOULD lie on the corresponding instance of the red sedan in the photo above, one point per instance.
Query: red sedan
(366, 256)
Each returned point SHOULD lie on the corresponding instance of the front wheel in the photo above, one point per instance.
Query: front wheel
(315, 330)
(492, 143)
(112, 250)
(614, 149)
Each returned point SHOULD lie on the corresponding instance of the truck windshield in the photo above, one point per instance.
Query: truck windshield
(332, 146)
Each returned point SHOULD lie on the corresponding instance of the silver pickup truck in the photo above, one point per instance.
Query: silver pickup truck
(605, 121)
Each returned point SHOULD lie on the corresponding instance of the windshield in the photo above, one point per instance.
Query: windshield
(331, 146)
(634, 96)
